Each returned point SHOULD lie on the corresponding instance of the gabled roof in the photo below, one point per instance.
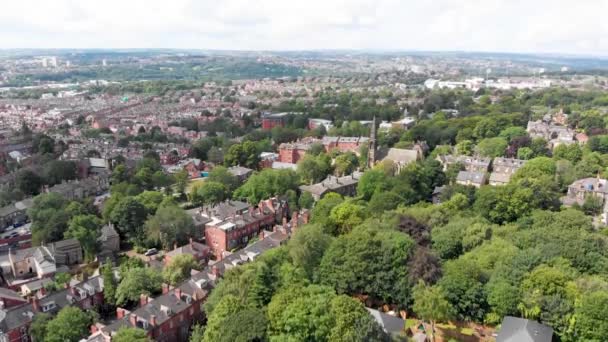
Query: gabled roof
(390, 324)
(515, 329)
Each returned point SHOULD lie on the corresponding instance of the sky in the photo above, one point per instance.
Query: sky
(546, 26)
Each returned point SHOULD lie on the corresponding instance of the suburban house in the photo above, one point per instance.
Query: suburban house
(503, 169)
(14, 213)
(232, 224)
(199, 251)
(166, 318)
(476, 179)
(26, 265)
(345, 186)
(294, 151)
(80, 189)
(582, 188)
(472, 164)
(15, 321)
(109, 242)
(170, 316)
(242, 173)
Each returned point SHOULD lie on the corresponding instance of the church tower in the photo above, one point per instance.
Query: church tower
(371, 153)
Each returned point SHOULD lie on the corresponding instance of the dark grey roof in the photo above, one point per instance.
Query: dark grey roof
(390, 324)
(10, 294)
(515, 329)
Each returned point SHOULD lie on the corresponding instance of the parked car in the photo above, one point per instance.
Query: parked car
(151, 251)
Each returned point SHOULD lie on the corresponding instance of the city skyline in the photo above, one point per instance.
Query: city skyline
(443, 25)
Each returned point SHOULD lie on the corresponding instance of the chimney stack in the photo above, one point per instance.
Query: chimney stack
(120, 313)
(178, 293)
(35, 303)
(143, 299)
(165, 288)
(153, 320)
(215, 270)
(133, 319)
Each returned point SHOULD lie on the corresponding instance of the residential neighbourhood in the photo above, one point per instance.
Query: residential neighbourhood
(301, 196)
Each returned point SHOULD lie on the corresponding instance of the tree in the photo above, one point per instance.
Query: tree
(536, 168)
(227, 306)
(424, 265)
(492, 147)
(347, 215)
(431, 305)
(181, 181)
(49, 218)
(209, 193)
(525, 153)
(244, 154)
(136, 282)
(129, 216)
(71, 324)
(349, 267)
(179, 268)
(126, 334)
(151, 200)
(307, 247)
(120, 174)
(301, 314)
(86, 229)
(215, 155)
(346, 163)
(38, 328)
(512, 132)
(571, 152)
(170, 225)
(198, 331)
(267, 183)
(353, 322)
(313, 169)
(220, 174)
(465, 148)
(322, 209)
(109, 283)
(57, 171)
(306, 200)
(372, 181)
(462, 283)
(29, 182)
(591, 321)
(245, 325)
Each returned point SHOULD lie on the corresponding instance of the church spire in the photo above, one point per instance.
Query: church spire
(371, 153)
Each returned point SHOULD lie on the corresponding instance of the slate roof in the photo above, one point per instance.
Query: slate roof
(515, 329)
(401, 156)
(500, 177)
(473, 177)
(332, 183)
(391, 324)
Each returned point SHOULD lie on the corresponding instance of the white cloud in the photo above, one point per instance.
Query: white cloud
(478, 25)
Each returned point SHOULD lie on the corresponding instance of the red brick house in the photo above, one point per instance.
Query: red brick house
(271, 121)
(232, 224)
(294, 151)
(14, 324)
(199, 251)
(168, 317)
